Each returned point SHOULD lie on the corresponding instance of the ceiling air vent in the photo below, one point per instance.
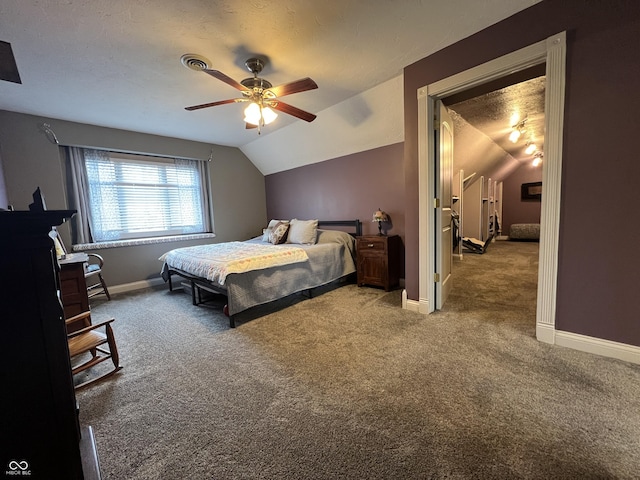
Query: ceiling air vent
(194, 62)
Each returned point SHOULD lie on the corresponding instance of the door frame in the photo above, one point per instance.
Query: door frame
(551, 51)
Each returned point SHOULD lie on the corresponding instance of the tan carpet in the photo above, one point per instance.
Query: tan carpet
(348, 385)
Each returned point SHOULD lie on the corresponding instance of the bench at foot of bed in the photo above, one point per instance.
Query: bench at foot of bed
(525, 231)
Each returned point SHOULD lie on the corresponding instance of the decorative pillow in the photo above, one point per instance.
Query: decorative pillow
(266, 232)
(278, 233)
(273, 223)
(303, 231)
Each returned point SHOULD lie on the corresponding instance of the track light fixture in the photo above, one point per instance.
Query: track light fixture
(537, 158)
(517, 130)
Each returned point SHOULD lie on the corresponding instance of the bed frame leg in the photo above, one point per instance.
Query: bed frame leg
(170, 284)
(232, 321)
(193, 293)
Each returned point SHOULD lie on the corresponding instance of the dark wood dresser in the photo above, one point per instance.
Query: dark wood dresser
(73, 286)
(41, 436)
(378, 260)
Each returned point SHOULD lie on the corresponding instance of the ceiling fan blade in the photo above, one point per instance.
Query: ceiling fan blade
(301, 85)
(214, 104)
(291, 110)
(228, 80)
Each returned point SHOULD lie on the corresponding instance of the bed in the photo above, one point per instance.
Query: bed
(249, 281)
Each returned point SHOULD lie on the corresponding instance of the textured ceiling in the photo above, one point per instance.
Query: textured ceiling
(493, 115)
(117, 63)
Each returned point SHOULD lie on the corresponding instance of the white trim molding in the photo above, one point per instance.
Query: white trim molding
(551, 179)
(598, 346)
(551, 52)
(130, 287)
(82, 247)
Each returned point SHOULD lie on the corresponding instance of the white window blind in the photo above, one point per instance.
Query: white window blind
(133, 196)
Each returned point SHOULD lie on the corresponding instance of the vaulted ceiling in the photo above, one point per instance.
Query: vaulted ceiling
(117, 64)
(484, 123)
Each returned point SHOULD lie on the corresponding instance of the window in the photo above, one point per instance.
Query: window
(136, 196)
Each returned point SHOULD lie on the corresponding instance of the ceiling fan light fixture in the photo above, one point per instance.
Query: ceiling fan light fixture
(252, 114)
(256, 115)
(260, 93)
(268, 115)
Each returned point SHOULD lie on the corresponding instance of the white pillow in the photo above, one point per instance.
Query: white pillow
(303, 231)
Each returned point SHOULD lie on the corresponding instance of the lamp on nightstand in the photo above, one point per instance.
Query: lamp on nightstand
(379, 216)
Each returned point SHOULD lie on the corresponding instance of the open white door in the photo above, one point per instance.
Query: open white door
(444, 203)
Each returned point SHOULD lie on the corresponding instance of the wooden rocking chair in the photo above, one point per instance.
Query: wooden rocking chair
(88, 339)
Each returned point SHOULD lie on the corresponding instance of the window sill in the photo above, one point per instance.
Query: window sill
(81, 247)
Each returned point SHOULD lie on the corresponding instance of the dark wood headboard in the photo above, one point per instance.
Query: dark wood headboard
(355, 224)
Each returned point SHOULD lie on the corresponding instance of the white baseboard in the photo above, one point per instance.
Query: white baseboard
(598, 346)
(546, 333)
(414, 305)
(130, 287)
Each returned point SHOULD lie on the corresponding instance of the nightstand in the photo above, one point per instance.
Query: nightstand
(378, 260)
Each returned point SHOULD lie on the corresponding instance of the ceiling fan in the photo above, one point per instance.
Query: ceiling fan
(263, 97)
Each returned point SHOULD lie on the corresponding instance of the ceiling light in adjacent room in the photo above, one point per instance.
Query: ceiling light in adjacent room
(517, 130)
(537, 160)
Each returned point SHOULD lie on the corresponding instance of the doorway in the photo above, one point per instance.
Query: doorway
(498, 131)
(551, 52)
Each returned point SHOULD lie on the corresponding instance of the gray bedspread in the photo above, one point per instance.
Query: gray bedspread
(333, 257)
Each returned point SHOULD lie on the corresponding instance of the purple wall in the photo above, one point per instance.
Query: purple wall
(514, 209)
(598, 270)
(344, 188)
